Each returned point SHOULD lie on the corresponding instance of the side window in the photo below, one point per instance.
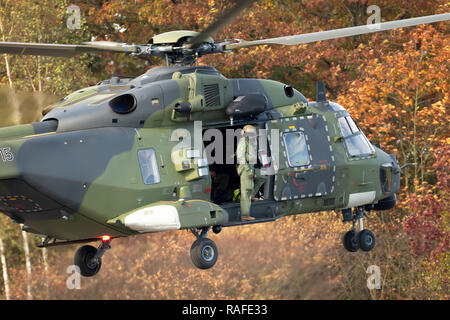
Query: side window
(296, 149)
(355, 141)
(149, 166)
(357, 145)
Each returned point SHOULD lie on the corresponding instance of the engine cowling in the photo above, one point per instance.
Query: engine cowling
(175, 37)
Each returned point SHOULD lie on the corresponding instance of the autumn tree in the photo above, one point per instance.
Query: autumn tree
(402, 102)
(57, 76)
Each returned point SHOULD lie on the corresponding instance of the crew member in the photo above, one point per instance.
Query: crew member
(251, 178)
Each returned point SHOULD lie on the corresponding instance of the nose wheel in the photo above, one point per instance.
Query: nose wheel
(204, 251)
(354, 240)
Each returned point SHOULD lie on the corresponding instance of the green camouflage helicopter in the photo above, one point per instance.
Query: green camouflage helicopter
(117, 159)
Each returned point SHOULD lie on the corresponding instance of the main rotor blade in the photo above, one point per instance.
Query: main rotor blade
(63, 50)
(220, 23)
(340, 33)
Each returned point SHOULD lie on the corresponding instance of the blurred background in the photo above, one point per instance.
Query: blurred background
(395, 84)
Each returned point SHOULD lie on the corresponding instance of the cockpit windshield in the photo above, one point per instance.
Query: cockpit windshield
(356, 143)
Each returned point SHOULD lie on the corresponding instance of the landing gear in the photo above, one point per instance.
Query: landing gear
(353, 240)
(204, 251)
(89, 259)
(366, 240)
(350, 240)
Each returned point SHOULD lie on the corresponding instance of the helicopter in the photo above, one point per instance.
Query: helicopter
(117, 159)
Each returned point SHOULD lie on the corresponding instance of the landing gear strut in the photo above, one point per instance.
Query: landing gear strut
(89, 259)
(353, 240)
(204, 251)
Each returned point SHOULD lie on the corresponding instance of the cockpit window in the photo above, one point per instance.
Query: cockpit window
(357, 145)
(352, 124)
(355, 141)
(345, 128)
(297, 151)
(149, 166)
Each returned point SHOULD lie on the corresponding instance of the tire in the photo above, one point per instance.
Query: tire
(350, 241)
(83, 260)
(204, 253)
(366, 240)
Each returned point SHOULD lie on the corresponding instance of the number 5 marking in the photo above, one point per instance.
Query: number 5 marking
(6, 154)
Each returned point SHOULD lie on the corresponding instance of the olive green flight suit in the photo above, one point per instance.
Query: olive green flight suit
(251, 178)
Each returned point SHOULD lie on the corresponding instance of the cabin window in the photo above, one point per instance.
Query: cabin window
(296, 149)
(149, 166)
(356, 143)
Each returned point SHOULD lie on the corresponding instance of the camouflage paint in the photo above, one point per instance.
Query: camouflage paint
(79, 168)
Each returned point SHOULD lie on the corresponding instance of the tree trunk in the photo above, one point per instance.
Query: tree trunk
(26, 249)
(5, 270)
(45, 259)
(15, 103)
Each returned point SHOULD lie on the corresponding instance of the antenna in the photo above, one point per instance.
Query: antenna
(321, 94)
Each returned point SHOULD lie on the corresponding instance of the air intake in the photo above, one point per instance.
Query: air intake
(212, 94)
(123, 104)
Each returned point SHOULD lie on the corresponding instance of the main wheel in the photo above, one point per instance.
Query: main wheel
(204, 253)
(84, 260)
(366, 240)
(350, 241)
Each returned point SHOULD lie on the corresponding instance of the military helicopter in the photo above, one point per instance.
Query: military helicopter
(114, 160)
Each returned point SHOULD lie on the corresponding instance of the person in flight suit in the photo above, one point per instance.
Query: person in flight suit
(251, 178)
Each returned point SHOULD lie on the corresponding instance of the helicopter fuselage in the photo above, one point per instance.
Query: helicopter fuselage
(101, 161)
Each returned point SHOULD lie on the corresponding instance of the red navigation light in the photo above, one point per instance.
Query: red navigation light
(106, 238)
